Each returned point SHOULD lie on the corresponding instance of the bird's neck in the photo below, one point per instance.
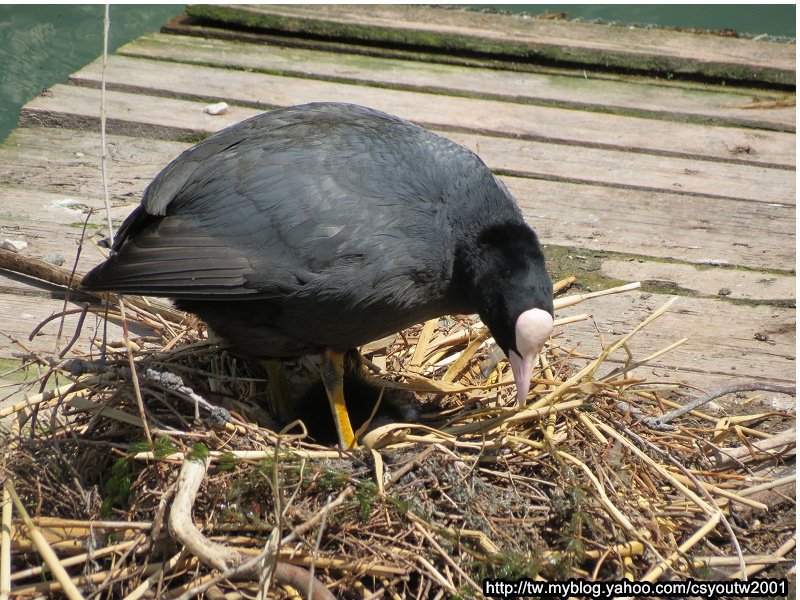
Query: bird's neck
(504, 258)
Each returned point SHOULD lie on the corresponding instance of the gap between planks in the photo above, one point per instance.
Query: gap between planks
(660, 99)
(511, 36)
(138, 114)
(526, 121)
(721, 333)
(662, 225)
(721, 337)
(708, 282)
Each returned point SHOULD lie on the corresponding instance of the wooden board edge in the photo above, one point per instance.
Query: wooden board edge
(141, 49)
(474, 44)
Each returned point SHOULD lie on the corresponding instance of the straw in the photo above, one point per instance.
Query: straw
(473, 487)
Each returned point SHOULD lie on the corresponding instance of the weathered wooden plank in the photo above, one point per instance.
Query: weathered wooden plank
(704, 231)
(527, 39)
(726, 341)
(626, 169)
(50, 177)
(38, 219)
(128, 114)
(764, 109)
(705, 281)
(51, 238)
(20, 314)
(694, 229)
(723, 335)
(66, 163)
(53, 223)
(520, 157)
(48, 238)
(67, 210)
(540, 123)
(722, 342)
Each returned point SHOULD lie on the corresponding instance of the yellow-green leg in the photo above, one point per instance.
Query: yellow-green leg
(333, 378)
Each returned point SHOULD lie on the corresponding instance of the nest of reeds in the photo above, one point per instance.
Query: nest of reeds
(167, 470)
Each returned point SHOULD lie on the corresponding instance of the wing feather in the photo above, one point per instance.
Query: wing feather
(310, 200)
(189, 264)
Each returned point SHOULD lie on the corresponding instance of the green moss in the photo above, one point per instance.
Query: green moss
(585, 266)
(117, 488)
(14, 370)
(227, 461)
(400, 506)
(365, 496)
(332, 481)
(25, 375)
(92, 226)
(199, 452)
(457, 43)
(508, 566)
(163, 446)
(750, 302)
(139, 446)
(363, 499)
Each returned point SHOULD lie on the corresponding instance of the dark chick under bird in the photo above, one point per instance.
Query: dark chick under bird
(319, 228)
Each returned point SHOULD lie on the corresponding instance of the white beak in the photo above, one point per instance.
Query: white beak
(532, 329)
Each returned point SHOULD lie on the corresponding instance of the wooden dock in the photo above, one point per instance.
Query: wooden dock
(638, 155)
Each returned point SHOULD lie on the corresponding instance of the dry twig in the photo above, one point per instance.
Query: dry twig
(431, 508)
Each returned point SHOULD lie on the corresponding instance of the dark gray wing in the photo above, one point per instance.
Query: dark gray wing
(334, 201)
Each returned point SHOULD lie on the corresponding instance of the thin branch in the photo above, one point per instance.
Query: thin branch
(660, 423)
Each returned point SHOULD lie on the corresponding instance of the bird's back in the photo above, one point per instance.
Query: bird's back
(324, 224)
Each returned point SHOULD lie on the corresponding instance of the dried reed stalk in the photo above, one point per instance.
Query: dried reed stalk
(575, 429)
(43, 548)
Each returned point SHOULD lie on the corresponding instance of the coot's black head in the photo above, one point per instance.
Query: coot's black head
(513, 294)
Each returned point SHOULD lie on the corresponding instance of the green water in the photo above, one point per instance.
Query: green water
(40, 45)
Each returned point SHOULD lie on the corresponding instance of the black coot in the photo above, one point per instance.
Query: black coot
(321, 227)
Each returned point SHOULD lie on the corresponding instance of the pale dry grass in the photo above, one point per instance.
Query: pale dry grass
(574, 484)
